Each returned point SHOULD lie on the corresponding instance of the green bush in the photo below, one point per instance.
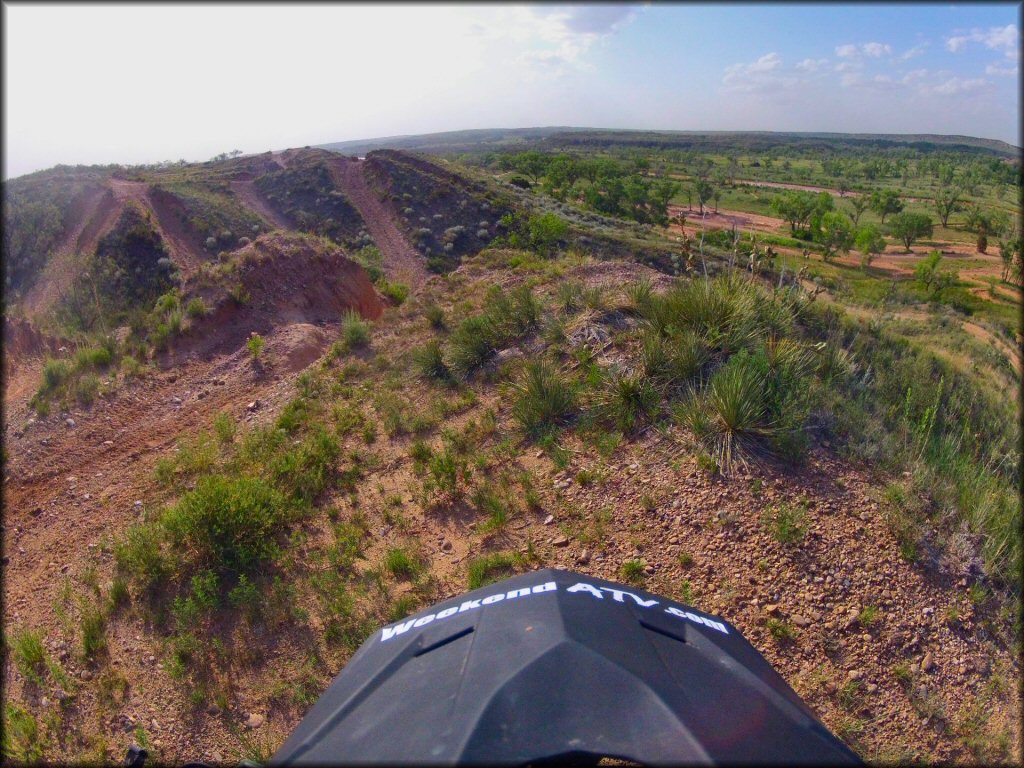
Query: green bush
(86, 388)
(55, 373)
(230, 524)
(355, 332)
(543, 399)
(196, 308)
(435, 317)
(93, 357)
(429, 362)
(397, 292)
(255, 345)
(304, 472)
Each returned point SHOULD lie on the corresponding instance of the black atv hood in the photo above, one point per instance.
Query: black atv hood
(552, 664)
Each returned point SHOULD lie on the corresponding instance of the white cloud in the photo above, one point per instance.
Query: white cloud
(761, 75)
(872, 50)
(995, 69)
(910, 53)
(848, 66)
(957, 86)
(811, 65)
(1005, 39)
(914, 75)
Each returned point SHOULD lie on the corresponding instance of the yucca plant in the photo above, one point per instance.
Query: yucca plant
(544, 399)
(731, 417)
(429, 362)
(626, 399)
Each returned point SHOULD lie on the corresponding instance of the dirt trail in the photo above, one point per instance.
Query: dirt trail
(401, 260)
(246, 192)
(723, 219)
(91, 215)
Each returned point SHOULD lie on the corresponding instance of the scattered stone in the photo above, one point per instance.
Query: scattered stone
(549, 520)
(69, 422)
(584, 557)
(560, 541)
(928, 662)
(771, 609)
(213, 710)
(253, 405)
(447, 546)
(108, 442)
(801, 621)
(254, 721)
(854, 674)
(176, 400)
(871, 687)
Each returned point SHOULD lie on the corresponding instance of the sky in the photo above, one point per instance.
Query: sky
(130, 84)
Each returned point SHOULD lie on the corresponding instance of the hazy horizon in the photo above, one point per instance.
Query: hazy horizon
(94, 85)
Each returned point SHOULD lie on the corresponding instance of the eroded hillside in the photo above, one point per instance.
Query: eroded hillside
(215, 491)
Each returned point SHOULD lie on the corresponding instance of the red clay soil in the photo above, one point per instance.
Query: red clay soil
(245, 191)
(401, 260)
(723, 219)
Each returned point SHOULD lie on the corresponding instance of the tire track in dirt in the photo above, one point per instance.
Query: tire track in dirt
(246, 192)
(401, 261)
(91, 216)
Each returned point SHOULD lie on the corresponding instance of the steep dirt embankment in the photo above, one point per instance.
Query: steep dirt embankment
(288, 280)
(182, 241)
(245, 190)
(92, 213)
(401, 261)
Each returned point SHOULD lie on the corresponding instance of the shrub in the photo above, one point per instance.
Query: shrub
(255, 345)
(429, 362)
(507, 317)
(94, 631)
(626, 399)
(231, 524)
(544, 399)
(304, 471)
(355, 332)
(55, 373)
(488, 502)
(224, 427)
(435, 316)
(196, 308)
(93, 357)
(86, 388)
(397, 292)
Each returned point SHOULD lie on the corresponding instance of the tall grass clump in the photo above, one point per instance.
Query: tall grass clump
(544, 399)
(355, 332)
(506, 318)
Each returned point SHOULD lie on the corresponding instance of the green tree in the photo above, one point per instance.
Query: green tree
(834, 233)
(885, 201)
(929, 275)
(860, 204)
(947, 202)
(985, 224)
(546, 231)
(869, 241)
(532, 163)
(795, 208)
(910, 227)
(704, 191)
(1009, 252)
